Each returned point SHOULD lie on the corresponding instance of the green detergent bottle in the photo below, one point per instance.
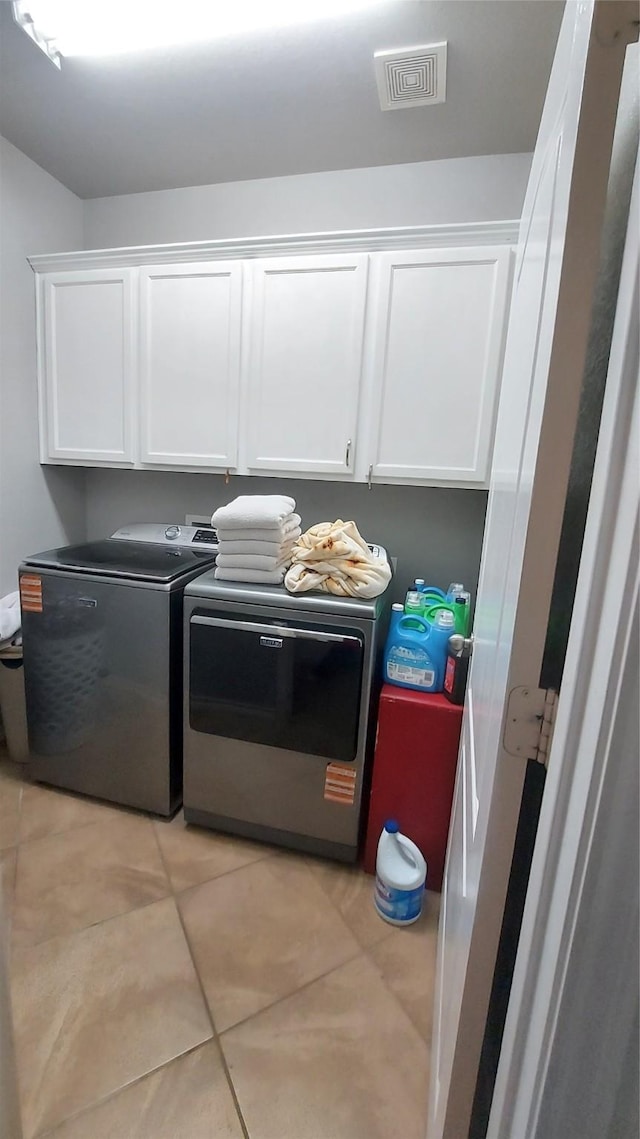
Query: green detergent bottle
(460, 599)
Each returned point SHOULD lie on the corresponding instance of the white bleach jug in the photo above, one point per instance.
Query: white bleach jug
(401, 873)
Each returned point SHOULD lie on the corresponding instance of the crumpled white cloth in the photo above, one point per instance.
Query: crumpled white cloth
(10, 617)
(334, 558)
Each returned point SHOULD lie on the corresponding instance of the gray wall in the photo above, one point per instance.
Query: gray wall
(434, 533)
(39, 506)
(488, 188)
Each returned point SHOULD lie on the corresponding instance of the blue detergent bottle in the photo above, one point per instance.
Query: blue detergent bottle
(397, 613)
(407, 659)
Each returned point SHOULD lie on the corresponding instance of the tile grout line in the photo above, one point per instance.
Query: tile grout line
(117, 1091)
(119, 810)
(293, 993)
(362, 949)
(174, 894)
(269, 853)
(92, 925)
(145, 1075)
(394, 996)
(367, 950)
(214, 1037)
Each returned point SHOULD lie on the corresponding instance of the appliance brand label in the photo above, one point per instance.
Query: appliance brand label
(340, 784)
(271, 642)
(31, 593)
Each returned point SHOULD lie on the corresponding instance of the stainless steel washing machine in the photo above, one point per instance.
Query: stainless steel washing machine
(279, 701)
(102, 633)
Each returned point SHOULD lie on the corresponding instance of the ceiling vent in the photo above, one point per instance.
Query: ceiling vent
(411, 76)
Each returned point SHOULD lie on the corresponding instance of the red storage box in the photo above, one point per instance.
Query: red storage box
(414, 772)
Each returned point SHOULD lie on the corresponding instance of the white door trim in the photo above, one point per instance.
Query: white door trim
(600, 644)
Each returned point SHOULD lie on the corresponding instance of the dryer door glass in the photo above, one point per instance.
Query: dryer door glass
(289, 686)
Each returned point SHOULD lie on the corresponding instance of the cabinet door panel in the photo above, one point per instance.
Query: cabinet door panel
(306, 360)
(439, 332)
(88, 365)
(190, 363)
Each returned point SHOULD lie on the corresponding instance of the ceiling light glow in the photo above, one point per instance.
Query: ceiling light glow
(116, 27)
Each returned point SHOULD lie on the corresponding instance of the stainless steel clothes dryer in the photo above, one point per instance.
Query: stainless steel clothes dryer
(279, 701)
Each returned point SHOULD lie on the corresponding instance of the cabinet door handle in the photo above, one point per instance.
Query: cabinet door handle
(347, 454)
(369, 476)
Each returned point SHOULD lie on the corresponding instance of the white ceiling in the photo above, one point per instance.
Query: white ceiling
(287, 102)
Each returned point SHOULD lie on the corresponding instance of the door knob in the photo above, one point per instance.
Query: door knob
(460, 646)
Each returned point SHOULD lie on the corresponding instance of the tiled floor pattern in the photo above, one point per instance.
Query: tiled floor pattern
(171, 983)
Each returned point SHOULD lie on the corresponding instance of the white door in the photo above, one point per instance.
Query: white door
(86, 366)
(549, 321)
(307, 327)
(439, 318)
(573, 1004)
(190, 322)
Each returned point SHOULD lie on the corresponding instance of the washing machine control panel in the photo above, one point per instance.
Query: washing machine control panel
(197, 537)
(207, 535)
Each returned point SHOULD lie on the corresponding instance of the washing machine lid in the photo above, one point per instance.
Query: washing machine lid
(141, 561)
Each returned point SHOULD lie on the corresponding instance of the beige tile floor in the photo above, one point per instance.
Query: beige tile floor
(171, 983)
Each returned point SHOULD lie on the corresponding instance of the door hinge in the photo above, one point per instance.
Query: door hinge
(528, 729)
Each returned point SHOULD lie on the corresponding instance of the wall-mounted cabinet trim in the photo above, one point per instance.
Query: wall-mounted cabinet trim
(345, 241)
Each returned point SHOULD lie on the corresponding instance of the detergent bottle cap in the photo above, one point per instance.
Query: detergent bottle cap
(445, 619)
(397, 606)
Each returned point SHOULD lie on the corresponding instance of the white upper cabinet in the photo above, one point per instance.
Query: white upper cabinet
(438, 320)
(86, 366)
(325, 356)
(190, 328)
(305, 362)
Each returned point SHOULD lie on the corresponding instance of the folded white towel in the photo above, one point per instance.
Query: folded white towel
(252, 561)
(265, 577)
(268, 511)
(267, 549)
(289, 529)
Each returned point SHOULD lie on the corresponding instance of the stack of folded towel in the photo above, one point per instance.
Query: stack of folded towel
(256, 533)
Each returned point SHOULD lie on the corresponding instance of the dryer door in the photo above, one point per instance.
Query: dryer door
(288, 685)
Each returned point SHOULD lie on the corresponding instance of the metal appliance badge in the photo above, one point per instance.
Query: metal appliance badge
(271, 642)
